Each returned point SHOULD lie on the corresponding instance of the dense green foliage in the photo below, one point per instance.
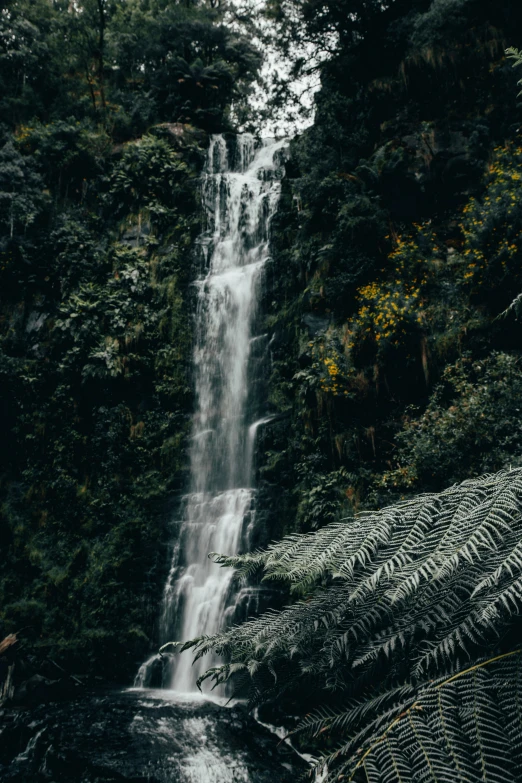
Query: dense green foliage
(126, 64)
(394, 603)
(397, 248)
(393, 299)
(99, 209)
(396, 372)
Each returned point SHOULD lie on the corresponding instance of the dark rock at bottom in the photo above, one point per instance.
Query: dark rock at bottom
(138, 736)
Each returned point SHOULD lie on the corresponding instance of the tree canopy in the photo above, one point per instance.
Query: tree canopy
(125, 64)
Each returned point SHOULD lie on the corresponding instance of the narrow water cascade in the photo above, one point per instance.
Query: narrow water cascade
(240, 191)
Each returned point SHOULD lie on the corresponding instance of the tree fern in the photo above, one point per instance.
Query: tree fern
(391, 604)
(454, 730)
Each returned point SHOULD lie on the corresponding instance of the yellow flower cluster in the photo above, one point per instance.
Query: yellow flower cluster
(23, 132)
(402, 246)
(331, 381)
(489, 226)
(388, 308)
(326, 364)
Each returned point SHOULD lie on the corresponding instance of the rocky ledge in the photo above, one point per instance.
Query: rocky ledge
(140, 736)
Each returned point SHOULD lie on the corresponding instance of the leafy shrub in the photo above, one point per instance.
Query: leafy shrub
(471, 424)
(492, 229)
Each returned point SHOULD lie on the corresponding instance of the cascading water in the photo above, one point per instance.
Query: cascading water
(240, 191)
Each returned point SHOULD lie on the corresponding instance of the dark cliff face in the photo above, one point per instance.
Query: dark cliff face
(96, 336)
(396, 247)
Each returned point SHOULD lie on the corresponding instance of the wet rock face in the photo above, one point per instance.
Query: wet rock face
(139, 737)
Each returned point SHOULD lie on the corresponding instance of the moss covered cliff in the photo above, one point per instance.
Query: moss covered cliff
(105, 109)
(398, 247)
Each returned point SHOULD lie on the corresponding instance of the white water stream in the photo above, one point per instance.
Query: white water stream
(240, 192)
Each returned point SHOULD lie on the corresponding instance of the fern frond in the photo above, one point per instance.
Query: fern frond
(395, 600)
(449, 732)
(516, 55)
(483, 722)
(407, 577)
(454, 729)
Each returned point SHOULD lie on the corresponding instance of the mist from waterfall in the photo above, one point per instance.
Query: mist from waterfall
(241, 186)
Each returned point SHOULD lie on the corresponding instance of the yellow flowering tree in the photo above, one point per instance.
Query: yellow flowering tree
(492, 228)
(390, 309)
(327, 372)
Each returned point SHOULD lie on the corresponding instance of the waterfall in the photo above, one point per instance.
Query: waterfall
(240, 193)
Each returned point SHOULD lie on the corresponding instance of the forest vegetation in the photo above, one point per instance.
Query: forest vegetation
(105, 109)
(396, 375)
(396, 359)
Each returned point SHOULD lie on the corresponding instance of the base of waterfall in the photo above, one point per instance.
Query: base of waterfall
(140, 736)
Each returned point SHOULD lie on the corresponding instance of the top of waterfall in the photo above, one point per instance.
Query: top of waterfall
(249, 155)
